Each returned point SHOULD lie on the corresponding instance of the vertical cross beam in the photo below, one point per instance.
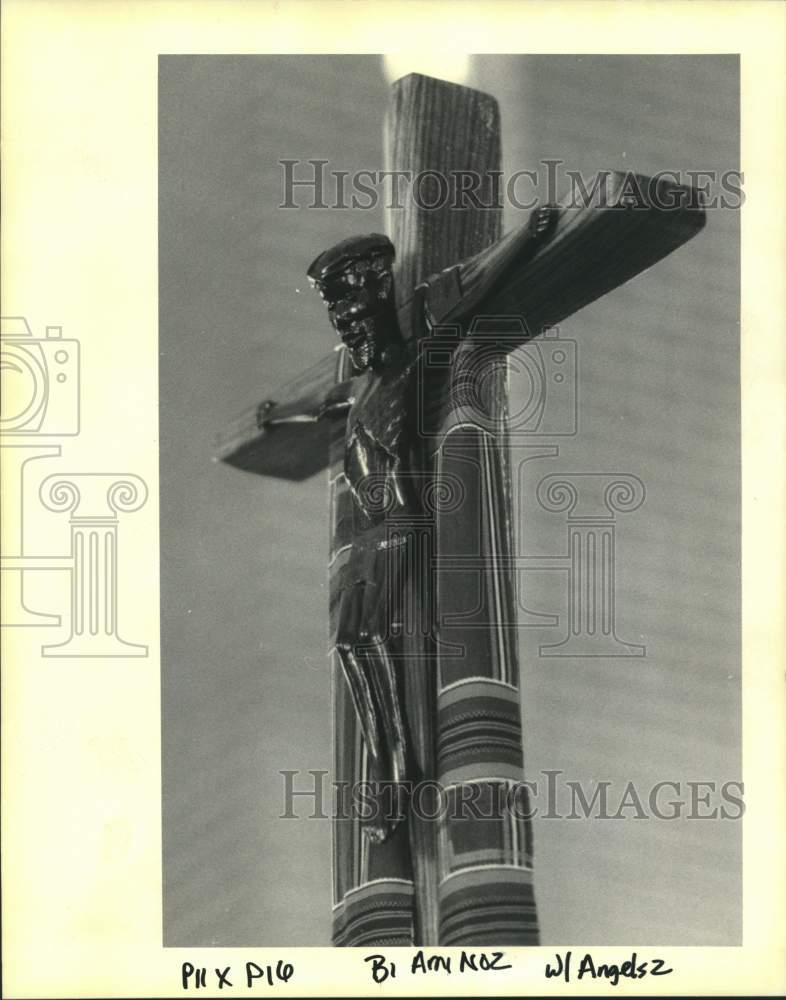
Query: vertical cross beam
(448, 138)
(445, 136)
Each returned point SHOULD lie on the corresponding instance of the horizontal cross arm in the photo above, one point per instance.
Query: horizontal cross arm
(587, 252)
(288, 437)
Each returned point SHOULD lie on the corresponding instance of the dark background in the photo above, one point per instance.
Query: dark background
(245, 687)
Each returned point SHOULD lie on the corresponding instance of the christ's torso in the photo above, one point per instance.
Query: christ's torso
(376, 461)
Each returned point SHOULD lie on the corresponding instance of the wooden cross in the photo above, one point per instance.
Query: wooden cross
(458, 878)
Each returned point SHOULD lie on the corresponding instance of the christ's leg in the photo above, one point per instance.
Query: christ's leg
(356, 672)
(367, 650)
(370, 676)
(380, 650)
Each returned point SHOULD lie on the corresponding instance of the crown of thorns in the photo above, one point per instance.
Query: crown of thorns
(360, 253)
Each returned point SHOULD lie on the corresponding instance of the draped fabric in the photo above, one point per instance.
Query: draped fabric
(459, 870)
(485, 864)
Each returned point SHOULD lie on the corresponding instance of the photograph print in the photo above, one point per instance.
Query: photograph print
(450, 500)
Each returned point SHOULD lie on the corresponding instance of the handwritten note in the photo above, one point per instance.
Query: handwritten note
(586, 966)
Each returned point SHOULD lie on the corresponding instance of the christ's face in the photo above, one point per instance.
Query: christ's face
(358, 294)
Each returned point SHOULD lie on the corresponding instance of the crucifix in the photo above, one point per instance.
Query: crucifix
(410, 417)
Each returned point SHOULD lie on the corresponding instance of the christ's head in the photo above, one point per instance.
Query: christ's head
(355, 278)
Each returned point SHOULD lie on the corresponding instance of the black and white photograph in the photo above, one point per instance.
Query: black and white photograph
(475, 539)
(392, 446)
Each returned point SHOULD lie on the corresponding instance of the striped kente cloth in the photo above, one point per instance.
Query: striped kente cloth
(461, 873)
